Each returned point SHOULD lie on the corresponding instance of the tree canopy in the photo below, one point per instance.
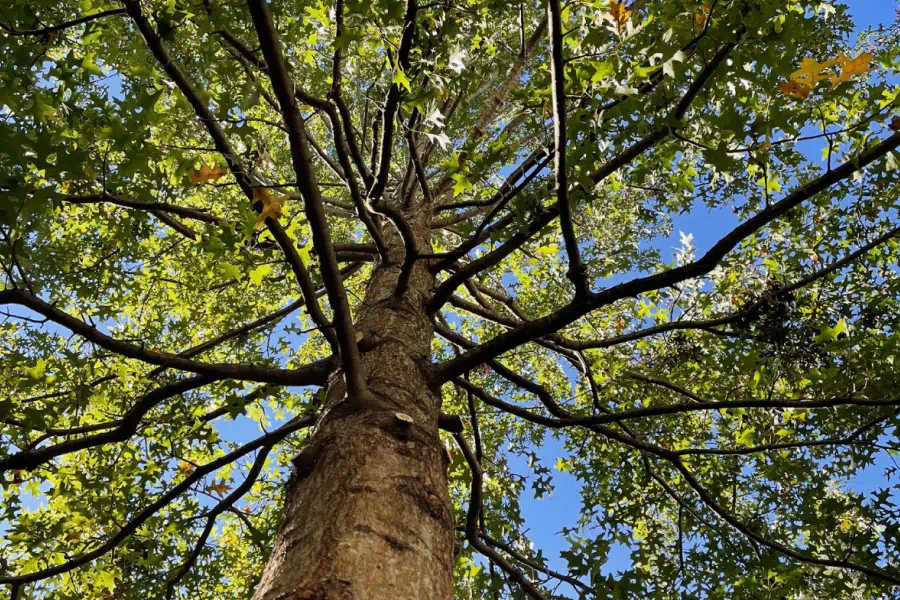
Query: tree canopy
(195, 194)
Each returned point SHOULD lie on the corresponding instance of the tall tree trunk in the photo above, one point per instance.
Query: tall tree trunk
(367, 513)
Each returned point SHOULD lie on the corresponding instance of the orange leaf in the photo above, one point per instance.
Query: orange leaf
(793, 89)
(860, 64)
(206, 174)
(185, 467)
(703, 16)
(271, 206)
(619, 13)
(852, 66)
(219, 489)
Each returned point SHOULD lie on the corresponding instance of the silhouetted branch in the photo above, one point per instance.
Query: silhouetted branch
(312, 374)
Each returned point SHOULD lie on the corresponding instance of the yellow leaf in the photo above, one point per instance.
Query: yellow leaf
(219, 489)
(793, 89)
(271, 206)
(185, 467)
(206, 174)
(837, 80)
(810, 72)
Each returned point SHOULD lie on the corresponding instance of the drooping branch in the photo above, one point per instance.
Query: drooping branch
(224, 505)
(746, 313)
(312, 374)
(849, 440)
(803, 557)
(562, 419)
(533, 564)
(189, 353)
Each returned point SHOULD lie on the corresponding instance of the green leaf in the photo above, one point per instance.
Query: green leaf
(259, 273)
(401, 80)
(462, 184)
(829, 334)
(37, 371)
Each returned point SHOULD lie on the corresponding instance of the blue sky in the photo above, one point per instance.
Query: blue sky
(546, 517)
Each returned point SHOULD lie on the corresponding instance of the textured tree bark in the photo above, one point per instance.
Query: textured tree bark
(367, 514)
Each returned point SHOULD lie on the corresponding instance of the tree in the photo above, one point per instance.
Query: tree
(412, 240)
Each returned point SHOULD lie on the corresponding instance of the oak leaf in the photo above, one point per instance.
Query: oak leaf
(271, 206)
(703, 16)
(852, 66)
(810, 72)
(220, 489)
(619, 13)
(206, 174)
(794, 89)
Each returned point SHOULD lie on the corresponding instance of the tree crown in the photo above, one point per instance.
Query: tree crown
(194, 197)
